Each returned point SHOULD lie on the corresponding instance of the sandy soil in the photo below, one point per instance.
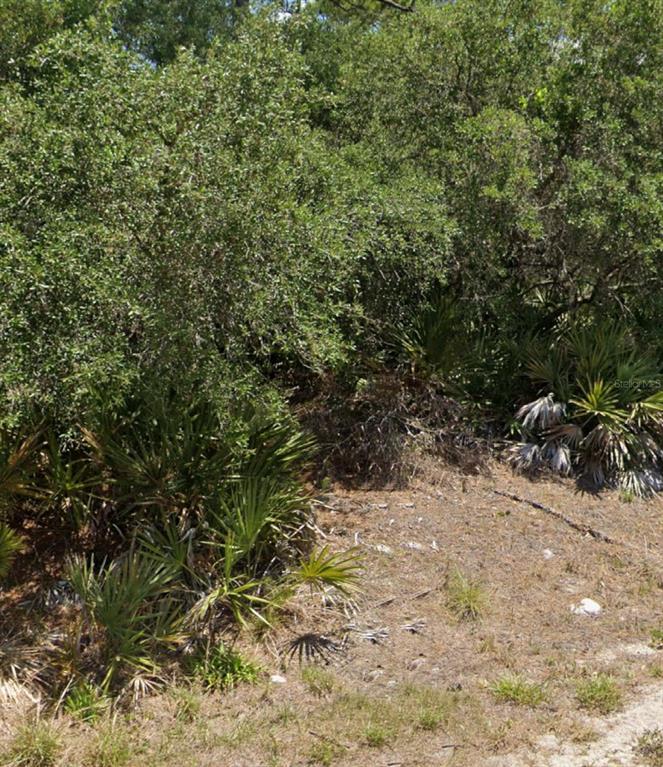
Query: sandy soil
(412, 684)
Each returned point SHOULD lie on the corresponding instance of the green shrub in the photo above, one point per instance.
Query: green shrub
(603, 417)
(86, 702)
(221, 668)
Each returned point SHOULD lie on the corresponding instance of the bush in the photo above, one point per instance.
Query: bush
(603, 416)
(221, 668)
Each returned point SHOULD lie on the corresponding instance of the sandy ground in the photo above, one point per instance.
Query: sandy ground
(533, 568)
(412, 684)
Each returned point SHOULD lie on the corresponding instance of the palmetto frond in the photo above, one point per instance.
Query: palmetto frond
(276, 450)
(164, 453)
(324, 569)
(569, 433)
(128, 610)
(311, 647)
(17, 460)
(600, 401)
(256, 512)
(641, 483)
(525, 456)
(558, 455)
(542, 413)
(11, 544)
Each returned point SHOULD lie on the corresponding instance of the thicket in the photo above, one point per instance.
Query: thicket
(218, 219)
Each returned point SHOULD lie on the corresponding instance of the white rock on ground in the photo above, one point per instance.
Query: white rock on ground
(587, 607)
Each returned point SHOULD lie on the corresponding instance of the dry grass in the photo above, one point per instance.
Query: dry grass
(467, 601)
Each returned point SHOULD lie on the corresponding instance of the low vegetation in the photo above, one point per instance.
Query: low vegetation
(515, 689)
(600, 693)
(466, 596)
(35, 744)
(649, 748)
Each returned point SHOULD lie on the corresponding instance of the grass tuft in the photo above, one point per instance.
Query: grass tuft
(323, 753)
(187, 703)
(377, 735)
(86, 702)
(649, 747)
(111, 748)
(600, 693)
(515, 689)
(35, 744)
(465, 596)
(318, 681)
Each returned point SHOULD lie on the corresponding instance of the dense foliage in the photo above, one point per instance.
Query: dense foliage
(213, 211)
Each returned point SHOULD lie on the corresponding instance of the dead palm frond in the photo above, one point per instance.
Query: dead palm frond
(312, 647)
(543, 413)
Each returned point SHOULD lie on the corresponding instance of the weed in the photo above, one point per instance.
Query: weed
(579, 732)
(318, 681)
(431, 718)
(650, 747)
(86, 702)
(656, 671)
(515, 689)
(377, 735)
(656, 639)
(222, 668)
(426, 706)
(285, 714)
(187, 704)
(35, 744)
(465, 596)
(111, 748)
(600, 693)
(323, 753)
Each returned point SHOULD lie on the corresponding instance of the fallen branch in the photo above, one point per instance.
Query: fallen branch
(400, 597)
(584, 529)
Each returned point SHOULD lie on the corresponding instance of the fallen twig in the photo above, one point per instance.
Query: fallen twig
(418, 595)
(337, 743)
(584, 529)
